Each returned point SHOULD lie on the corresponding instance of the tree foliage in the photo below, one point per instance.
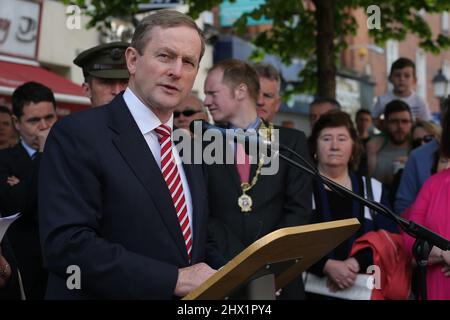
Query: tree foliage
(295, 26)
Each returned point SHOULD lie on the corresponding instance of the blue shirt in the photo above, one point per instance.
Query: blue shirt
(416, 172)
(254, 125)
(27, 148)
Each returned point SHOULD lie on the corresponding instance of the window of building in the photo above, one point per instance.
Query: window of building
(446, 68)
(391, 56)
(421, 73)
(444, 22)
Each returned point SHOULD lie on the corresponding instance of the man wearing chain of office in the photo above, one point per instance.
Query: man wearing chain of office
(245, 202)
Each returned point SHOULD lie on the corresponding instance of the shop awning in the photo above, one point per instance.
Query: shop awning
(69, 95)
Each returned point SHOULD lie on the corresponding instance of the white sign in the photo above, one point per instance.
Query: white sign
(348, 94)
(19, 28)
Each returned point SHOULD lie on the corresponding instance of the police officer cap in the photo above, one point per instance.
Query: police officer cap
(104, 61)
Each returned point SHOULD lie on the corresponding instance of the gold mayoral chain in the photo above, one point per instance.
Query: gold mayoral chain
(245, 202)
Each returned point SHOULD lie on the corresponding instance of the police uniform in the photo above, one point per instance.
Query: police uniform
(104, 61)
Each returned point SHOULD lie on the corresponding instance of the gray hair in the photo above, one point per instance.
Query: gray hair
(265, 70)
(164, 19)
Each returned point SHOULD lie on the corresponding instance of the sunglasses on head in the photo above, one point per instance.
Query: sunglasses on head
(186, 113)
(425, 139)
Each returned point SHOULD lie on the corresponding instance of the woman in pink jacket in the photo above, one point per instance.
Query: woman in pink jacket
(432, 210)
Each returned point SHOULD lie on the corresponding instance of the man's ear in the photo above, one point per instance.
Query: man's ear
(131, 55)
(241, 91)
(278, 103)
(16, 122)
(87, 89)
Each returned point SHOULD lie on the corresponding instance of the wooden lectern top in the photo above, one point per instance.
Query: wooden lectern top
(300, 246)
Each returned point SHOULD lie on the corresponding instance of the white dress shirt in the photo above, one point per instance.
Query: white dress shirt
(147, 121)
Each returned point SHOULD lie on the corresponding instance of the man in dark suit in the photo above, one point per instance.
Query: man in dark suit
(246, 204)
(34, 112)
(269, 101)
(121, 217)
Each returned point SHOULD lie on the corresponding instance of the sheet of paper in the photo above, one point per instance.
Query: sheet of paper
(359, 291)
(5, 222)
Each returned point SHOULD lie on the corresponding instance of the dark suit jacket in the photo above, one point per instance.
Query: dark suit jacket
(11, 291)
(24, 232)
(279, 200)
(105, 207)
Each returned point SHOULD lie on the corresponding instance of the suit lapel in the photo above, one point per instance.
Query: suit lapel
(232, 168)
(21, 159)
(134, 149)
(193, 176)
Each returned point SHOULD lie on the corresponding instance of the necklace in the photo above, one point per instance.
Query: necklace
(245, 202)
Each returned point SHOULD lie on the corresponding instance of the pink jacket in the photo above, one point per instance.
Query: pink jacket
(432, 210)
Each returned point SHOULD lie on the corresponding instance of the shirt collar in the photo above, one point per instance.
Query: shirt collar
(254, 125)
(27, 148)
(146, 120)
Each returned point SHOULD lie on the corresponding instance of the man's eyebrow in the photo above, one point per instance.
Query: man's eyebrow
(174, 53)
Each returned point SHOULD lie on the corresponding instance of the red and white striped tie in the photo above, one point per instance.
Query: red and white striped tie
(171, 175)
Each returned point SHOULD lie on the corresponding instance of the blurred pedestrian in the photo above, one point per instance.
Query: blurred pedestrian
(34, 109)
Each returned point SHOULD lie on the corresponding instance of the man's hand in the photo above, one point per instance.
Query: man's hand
(12, 180)
(341, 274)
(191, 277)
(5, 270)
(42, 138)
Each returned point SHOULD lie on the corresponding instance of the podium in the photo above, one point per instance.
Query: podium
(274, 260)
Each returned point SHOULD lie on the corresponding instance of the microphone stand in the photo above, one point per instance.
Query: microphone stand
(425, 239)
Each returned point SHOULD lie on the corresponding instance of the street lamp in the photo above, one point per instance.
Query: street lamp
(440, 87)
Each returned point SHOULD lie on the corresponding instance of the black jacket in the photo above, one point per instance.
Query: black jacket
(24, 232)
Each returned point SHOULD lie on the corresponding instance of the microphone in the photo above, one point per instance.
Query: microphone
(200, 127)
(272, 148)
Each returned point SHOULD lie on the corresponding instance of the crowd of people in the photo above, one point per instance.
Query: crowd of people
(107, 190)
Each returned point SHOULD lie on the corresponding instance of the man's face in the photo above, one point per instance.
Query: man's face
(363, 122)
(101, 90)
(165, 72)
(268, 100)
(403, 81)
(317, 110)
(189, 110)
(398, 126)
(36, 117)
(6, 128)
(219, 98)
